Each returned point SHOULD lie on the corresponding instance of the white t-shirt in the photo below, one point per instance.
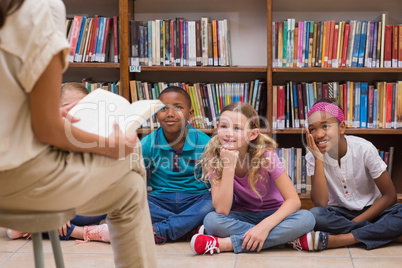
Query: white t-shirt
(352, 184)
(28, 41)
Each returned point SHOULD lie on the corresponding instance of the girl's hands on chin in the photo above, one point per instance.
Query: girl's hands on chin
(312, 146)
(229, 157)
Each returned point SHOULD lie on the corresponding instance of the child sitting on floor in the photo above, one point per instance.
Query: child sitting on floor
(350, 185)
(256, 204)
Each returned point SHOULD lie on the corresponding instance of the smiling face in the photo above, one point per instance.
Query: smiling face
(234, 132)
(326, 130)
(174, 116)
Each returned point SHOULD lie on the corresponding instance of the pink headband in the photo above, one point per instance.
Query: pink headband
(330, 108)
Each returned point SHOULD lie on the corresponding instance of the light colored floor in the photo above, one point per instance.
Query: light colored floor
(18, 253)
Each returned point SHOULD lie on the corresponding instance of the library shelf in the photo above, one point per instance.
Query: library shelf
(231, 69)
(335, 70)
(355, 131)
(93, 65)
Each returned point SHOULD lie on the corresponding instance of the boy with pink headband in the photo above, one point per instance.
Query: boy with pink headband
(351, 188)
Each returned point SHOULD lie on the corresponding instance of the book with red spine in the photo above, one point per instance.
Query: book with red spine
(388, 108)
(115, 40)
(300, 104)
(281, 107)
(345, 45)
(75, 32)
(394, 53)
(388, 46)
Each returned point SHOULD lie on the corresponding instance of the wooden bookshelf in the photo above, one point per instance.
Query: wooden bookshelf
(336, 70)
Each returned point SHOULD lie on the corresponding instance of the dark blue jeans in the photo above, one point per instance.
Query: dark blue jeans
(336, 220)
(174, 215)
(81, 221)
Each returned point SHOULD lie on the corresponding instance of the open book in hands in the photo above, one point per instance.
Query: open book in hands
(101, 109)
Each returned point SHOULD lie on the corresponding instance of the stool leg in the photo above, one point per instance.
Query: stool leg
(38, 251)
(58, 255)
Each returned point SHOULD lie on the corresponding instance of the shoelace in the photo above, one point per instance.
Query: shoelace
(95, 234)
(296, 245)
(210, 247)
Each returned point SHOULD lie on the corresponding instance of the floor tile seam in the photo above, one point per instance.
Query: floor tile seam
(378, 257)
(293, 256)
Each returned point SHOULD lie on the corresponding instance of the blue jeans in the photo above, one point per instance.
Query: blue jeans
(81, 221)
(237, 223)
(336, 220)
(174, 215)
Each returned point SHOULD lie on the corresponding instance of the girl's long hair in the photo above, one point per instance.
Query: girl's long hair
(7, 7)
(211, 161)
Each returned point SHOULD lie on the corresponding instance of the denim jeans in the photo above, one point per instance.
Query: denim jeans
(237, 223)
(81, 221)
(336, 220)
(174, 215)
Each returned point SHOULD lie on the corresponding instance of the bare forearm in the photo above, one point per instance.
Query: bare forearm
(289, 207)
(319, 189)
(222, 198)
(379, 206)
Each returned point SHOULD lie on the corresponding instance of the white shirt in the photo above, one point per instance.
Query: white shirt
(352, 185)
(28, 41)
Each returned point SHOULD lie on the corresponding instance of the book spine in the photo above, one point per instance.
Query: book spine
(395, 46)
(356, 44)
(362, 45)
(388, 47)
(375, 42)
(363, 105)
(388, 108)
(370, 107)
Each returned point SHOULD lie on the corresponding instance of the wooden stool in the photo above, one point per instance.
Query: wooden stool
(35, 223)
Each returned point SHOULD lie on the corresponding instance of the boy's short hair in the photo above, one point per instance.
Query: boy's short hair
(74, 86)
(177, 90)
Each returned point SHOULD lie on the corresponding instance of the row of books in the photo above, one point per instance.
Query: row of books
(207, 99)
(294, 163)
(179, 42)
(356, 43)
(93, 39)
(364, 105)
(109, 86)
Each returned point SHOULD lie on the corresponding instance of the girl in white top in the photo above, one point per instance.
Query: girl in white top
(40, 167)
(351, 188)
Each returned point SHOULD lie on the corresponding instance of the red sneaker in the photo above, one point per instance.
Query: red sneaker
(202, 244)
(304, 242)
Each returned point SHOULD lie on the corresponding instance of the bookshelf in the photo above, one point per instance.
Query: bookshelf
(251, 33)
(280, 10)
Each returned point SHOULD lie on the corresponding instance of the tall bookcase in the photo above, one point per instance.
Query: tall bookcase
(250, 26)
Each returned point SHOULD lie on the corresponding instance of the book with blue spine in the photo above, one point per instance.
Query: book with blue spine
(296, 113)
(356, 120)
(356, 44)
(362, 46)
(149, 43)
(79, 38)
(306, 35)
(363, 104)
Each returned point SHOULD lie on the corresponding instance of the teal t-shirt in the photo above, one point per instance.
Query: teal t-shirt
(173, 171)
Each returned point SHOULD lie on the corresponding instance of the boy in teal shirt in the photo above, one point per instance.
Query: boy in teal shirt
(178, 201)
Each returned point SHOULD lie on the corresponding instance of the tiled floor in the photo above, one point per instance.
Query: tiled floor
(18, 253)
